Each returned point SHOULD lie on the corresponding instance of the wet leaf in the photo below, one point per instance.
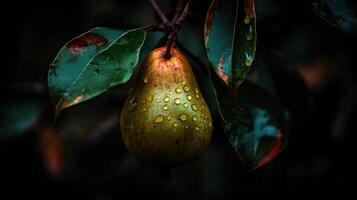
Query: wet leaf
(258, 129)
(230, 38)
(340, 13)
(18, 116)
(91, 63)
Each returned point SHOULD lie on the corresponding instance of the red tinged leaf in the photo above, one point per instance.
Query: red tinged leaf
(210, 14)
(85, 40)
(272, 153)
(230, 36)
(249, 8)
(220, 72)
(257, 130)
(92, 63)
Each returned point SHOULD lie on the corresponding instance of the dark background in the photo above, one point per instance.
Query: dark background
(310, 64)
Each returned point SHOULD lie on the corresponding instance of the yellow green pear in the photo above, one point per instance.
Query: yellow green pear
(165, 122)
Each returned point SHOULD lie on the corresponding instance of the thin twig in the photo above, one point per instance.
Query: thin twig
(183, 15)
(156, 26)
(159, 12)
(178, 11)
(176, 26)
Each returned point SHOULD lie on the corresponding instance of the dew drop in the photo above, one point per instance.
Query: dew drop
(169, 117)
(186, 127)
(204, 121)
(166, 99)
(177, 101)
(159, 119)
(246, 19)
(249, 36)
(131, 126)
(248, 60)
(133, 104)
(183, 82)
(194, 107)
(210, 125)
(185, 105)
(196, 95)
(178, 90)
(194, 118)
(150, 98)
(186, 88)
(175, 124)
(146, 80)
(197, 128)
(189, 97)
(183, 117)
(160, 103)
(145, 109)
(248, 63)
(165, 107)
(196, 91)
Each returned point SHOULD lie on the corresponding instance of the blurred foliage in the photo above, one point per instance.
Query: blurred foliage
(342, 13)
(18, 116)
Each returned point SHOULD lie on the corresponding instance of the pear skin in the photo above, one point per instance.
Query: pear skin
(165, 121)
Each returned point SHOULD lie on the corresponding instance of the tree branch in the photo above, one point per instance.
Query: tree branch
(159, 13)
(176, 25)
(178, 11)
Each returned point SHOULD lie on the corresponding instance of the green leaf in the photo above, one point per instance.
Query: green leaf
(18, 116)
(341, 14)
(91, 63)
(258, 129)
(230, 38)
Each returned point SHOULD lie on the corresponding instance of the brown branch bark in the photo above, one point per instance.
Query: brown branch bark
(176, 25)
(159, 12)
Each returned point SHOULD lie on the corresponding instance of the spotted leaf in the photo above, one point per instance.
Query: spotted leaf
(258, 129)
(230, 38)
(91, 63)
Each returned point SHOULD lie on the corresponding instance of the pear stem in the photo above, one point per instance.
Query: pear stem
(169, 45)
(172, 26)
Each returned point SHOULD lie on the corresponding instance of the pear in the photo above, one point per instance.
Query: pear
(165, 122)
